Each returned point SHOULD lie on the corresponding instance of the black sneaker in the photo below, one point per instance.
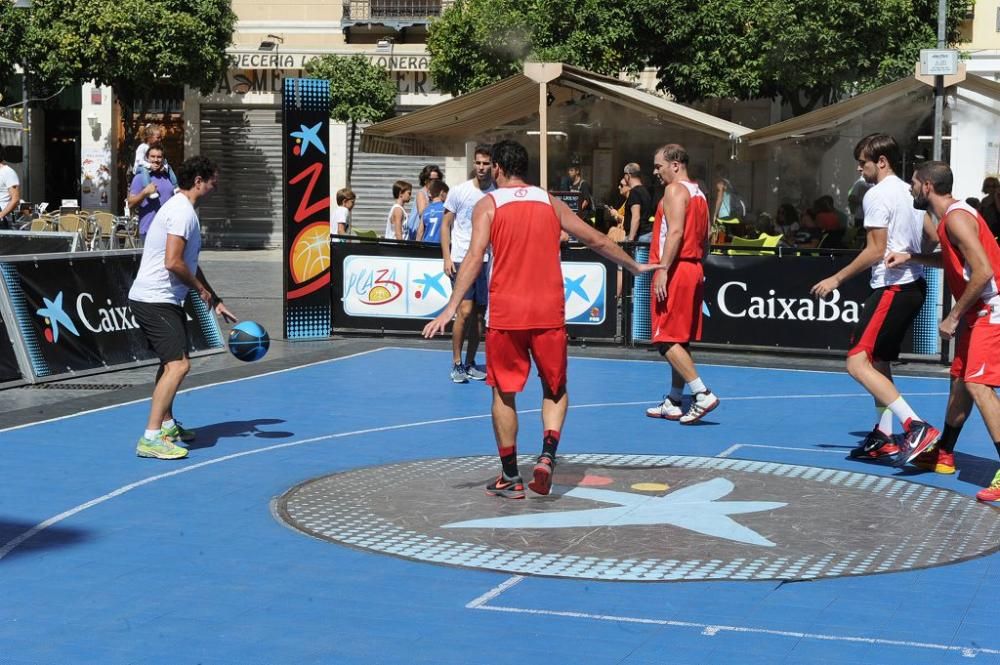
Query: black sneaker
(920, 436)
(545, 466)
(876, 445)
(508, 488)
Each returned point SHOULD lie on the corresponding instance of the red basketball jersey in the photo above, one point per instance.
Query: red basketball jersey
(695, 228)
(956, 268)
(526, 282)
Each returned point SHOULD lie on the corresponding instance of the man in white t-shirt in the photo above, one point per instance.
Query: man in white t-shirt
(168, 271)
(892, 225)
(10, 193)
(456, 234)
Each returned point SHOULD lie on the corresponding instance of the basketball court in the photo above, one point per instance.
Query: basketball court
(335, 513)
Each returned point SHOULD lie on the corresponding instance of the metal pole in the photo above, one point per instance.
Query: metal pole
(939, 81)
(543, 135)
(25, 135)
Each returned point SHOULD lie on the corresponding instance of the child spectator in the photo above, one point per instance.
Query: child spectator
(394, 222)
(340, 222)
(430, 221)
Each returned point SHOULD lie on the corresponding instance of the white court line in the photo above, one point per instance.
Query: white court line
(709, 630)
(736, 446)
(16, 542)
(187, 390)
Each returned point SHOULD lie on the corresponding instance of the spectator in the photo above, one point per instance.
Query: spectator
(974, 203)
(150, 189)
(430, 221)
(10, 192)
(639, 207)
(152, 136)
(617, 215)
(401, 193)
(989, 207)
(809, 233)
(728, 204)
(786, 221)
(340, 221)
(427, 174)
(585, 203)
(854, 201)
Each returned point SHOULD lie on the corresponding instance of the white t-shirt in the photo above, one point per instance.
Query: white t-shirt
(154, 283)
(889, 205)
(8, 179)
(390, 231)
(461, 200)
(339, 217)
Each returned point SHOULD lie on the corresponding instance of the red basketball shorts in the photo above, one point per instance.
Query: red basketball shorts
(977, 355)
(509, 354)
(678, 318)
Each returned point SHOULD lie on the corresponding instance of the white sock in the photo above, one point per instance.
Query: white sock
(697, 386)
(902, 410)
(151, 434)
(884, 416)
(167, 424)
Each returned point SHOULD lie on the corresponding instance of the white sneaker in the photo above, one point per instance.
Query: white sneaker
(701, 404)
(668, 410)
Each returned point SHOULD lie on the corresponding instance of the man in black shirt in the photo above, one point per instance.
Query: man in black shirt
(639, 207)
(585, 209)
(989, 207)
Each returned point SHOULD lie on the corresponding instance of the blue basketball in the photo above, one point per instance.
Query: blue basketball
(248, 341)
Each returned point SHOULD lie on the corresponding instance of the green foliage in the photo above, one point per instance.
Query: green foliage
(10, 39)
(131, 45)
(359, 90)
(478, 42)
(805, 51)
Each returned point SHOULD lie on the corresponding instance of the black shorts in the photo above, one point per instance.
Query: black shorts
(165, 327)
(885, 319)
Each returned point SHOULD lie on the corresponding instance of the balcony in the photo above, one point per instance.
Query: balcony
(396, 14)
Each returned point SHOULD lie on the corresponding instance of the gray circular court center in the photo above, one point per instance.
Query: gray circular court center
(647, 518)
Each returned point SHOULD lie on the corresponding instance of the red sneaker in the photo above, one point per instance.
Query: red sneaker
(991, 493)
(936, 460)
(541, 483)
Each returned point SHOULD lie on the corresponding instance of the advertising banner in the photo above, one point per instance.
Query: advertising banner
(9, 370)
(400, 287)
(306, 178)
(73, 315)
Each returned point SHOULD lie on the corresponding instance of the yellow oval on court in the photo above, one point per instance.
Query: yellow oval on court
(651, 487)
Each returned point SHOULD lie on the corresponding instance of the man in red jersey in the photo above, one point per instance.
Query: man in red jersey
(970, 258)
(527, 300)
(677, 249)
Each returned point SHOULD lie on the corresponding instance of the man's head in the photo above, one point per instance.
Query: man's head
(509, 160)
(198, 175)
(402, 190)
(573, 171)
(155, 158)
(428, 173)
(878, 156)
(670, 163)
(632, 173)
(932, 181)
(438, 190)
(346, 198)
(991, 185)
(482, 164)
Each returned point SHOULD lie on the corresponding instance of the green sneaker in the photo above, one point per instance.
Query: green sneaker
(177, 432)
(160, 448)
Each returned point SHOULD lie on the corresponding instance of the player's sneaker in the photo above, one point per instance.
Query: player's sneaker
(458, 374)
(936, 460)
(508, 488)
(159, 448)
(545, 466)
(920, 436)
(475, 373)
(991, 493)
(701, 404)
(668, 410)
(178, 432)
(877, 444)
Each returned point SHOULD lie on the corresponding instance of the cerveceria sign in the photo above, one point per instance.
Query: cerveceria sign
(268, 60)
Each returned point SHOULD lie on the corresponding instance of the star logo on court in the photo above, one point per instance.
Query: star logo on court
(55, 316)
(694, 508)
(432, 282)
(308, 136)
(575, 286)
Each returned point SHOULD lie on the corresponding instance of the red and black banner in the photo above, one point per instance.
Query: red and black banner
(72, 315)
(306, 178)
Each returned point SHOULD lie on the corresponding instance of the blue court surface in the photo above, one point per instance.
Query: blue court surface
(108, 558)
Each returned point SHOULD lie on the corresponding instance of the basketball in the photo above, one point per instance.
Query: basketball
(248, 341)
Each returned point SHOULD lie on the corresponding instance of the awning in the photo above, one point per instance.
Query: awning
(10, 132)
(832, 116)
(446, 127)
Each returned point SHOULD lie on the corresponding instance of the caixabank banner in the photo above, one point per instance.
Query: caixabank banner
(306, 169)
(400, 287)
(72, 314)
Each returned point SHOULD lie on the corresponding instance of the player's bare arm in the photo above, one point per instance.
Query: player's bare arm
(173, 261)
(963, 229)
(472, 264)
(446, 222)
(873, 252)
(594, 239)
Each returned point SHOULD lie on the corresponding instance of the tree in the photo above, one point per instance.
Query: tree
(131, 45)
(11, 20)
(359, 92)
(808, 52)
(478, 42)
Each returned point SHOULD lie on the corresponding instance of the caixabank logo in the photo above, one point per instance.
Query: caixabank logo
(737, 300)
(95, 318)
(584, 286)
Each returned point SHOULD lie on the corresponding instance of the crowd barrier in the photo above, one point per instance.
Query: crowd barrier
(752, 302)
(67, 315)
